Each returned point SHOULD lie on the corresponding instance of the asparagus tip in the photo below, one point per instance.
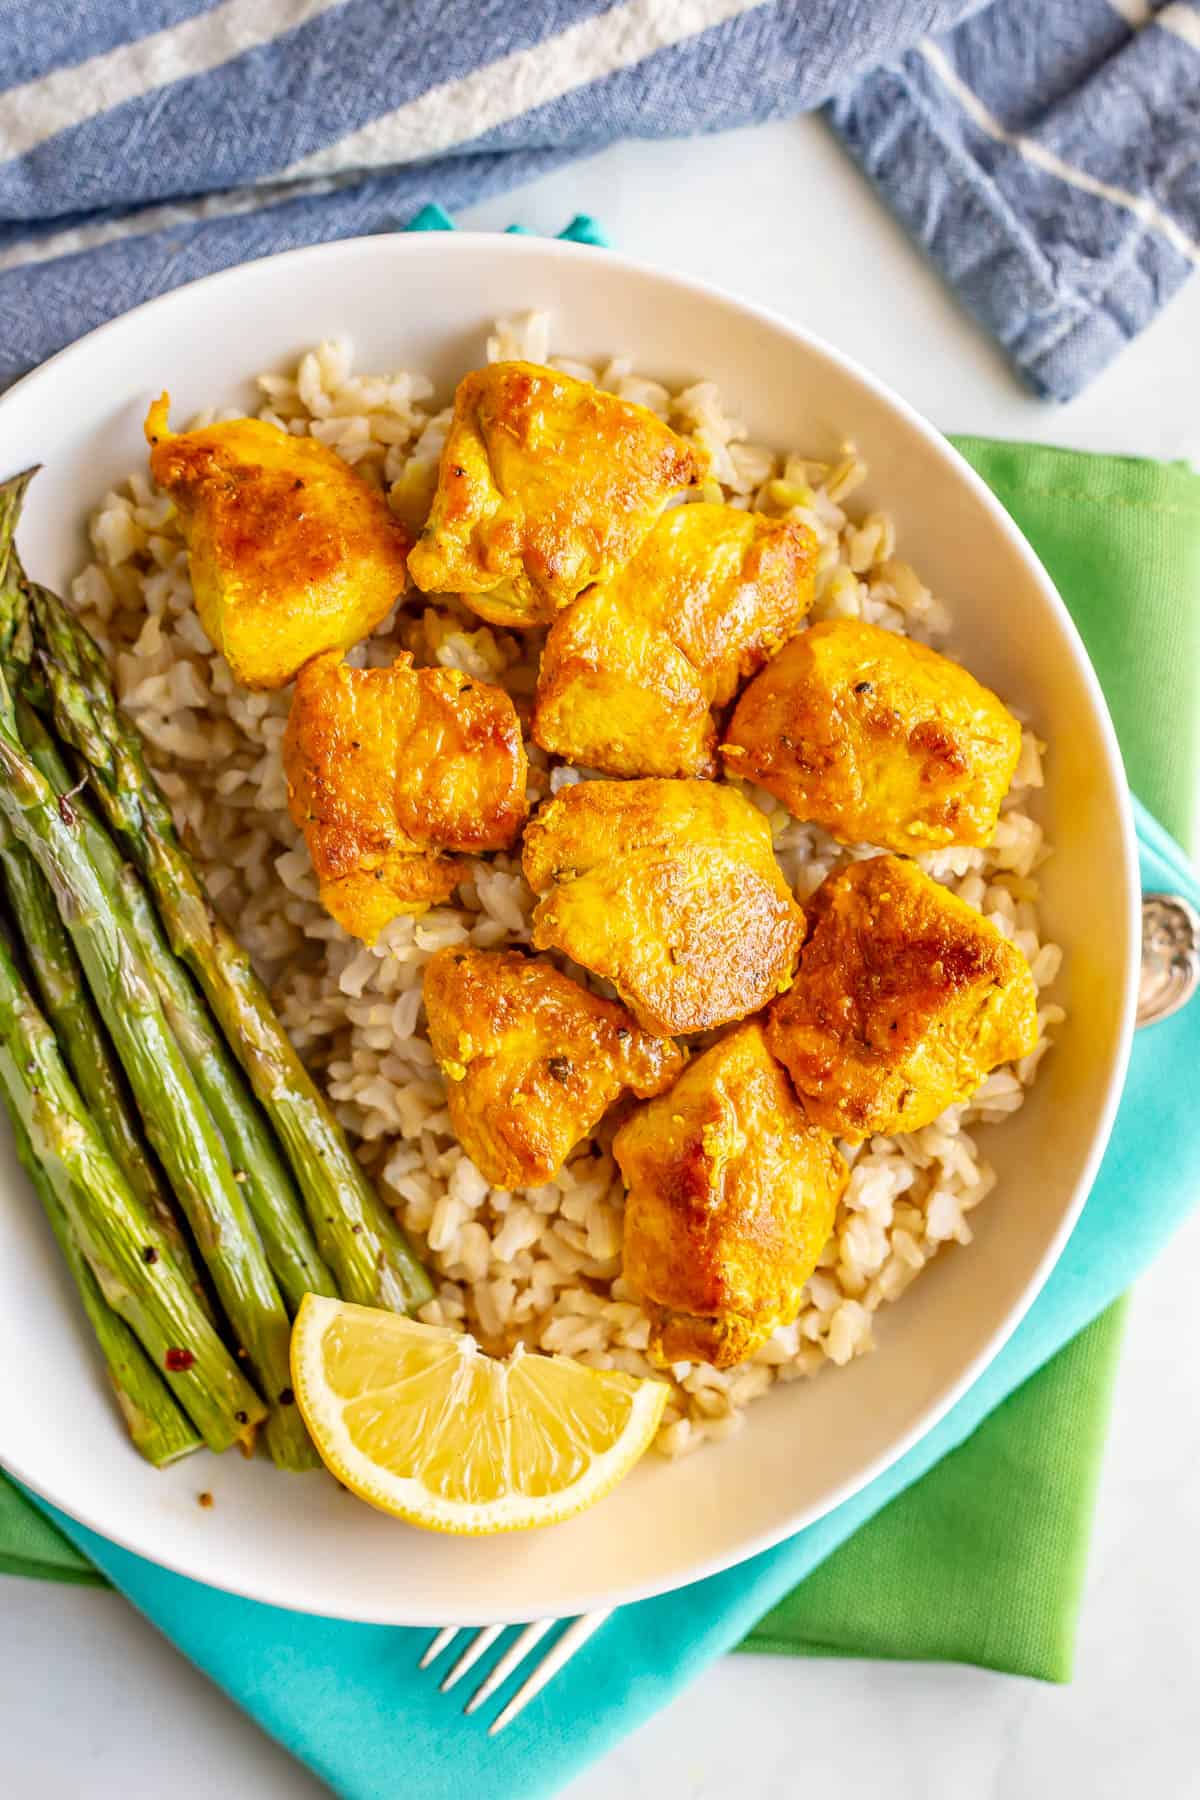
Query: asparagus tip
(13, 486)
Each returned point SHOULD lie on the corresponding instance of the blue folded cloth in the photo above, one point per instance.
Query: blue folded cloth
(1047, 156)
(1043, 155)
(349, 1700)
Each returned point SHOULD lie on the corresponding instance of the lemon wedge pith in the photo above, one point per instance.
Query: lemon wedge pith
(419, 1422)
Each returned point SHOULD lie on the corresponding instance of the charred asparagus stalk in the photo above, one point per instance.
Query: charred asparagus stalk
(266, 1182)
(158, 1428)
(62, 840)
(134, 1268)
(64, 998)
(269, 1189)
(16, 618)
(368, 1253)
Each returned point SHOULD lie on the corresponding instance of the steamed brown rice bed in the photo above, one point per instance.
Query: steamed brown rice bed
(542, 1265)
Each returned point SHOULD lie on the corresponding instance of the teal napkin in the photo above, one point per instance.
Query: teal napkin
(349, 1701)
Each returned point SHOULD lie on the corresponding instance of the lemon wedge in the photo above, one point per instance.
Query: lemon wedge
(419, 1422)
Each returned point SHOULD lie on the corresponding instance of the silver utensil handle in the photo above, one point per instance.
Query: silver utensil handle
(1170, 956)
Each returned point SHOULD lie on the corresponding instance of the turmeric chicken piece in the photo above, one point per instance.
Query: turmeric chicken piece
(671, 891)
(291, 552)
(904, 1000)
(532, 1061)
(732, 1198)
(387, 769)
(546, 484)
(632, 669)
(877, 738)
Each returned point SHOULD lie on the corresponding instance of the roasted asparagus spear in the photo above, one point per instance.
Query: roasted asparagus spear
(266, 1182)
(61, 838)
(64, 998)
(134, 1266)
(158, 1428)
(357, 1236)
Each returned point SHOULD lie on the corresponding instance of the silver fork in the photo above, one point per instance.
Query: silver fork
(573, 1638)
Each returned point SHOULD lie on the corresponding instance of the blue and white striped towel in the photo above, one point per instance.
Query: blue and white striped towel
(1045, 152)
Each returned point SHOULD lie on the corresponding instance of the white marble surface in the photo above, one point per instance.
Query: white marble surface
(94, 1706)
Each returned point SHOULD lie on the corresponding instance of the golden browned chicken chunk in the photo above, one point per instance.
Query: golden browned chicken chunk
(546, 484)
(387, 769)
(905, 999)
(671, 891)
(532, 1061)
(877, 738)
(291, 552)
(632, 669)
(732, 1198)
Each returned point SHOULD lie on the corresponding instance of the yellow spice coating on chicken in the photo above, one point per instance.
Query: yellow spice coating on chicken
(387, 770)
(292, 553)
(904, 1000)
(632, 669)
(532, 1060)
(876, 738)
(545, 485)
(732, 1198)
(671, 891)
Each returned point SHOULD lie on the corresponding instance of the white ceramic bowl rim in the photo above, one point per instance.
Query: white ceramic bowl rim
(389, 256)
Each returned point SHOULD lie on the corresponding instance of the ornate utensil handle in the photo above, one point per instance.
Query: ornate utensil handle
(1170, 956)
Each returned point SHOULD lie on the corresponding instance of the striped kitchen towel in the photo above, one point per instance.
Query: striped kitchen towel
(1045, 152)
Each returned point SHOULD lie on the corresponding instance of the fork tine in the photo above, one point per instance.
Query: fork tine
(516, 1653)
(471, 1655)
(446, 1636)
(572, 1639)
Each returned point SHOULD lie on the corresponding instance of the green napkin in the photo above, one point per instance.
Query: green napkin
(1120, 537)
(30, 1545)
(951, 1569)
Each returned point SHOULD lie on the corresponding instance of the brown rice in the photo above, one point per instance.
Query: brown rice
(542, 1265)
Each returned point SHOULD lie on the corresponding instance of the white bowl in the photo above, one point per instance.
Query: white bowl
(425, 302)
